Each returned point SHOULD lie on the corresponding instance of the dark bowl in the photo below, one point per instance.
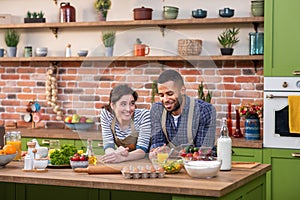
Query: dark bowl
(199, 13)
(226, 12)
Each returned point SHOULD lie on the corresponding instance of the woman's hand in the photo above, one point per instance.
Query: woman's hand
(123, 151)
(116, 156)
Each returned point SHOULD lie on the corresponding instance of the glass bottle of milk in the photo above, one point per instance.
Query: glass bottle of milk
(224, 147)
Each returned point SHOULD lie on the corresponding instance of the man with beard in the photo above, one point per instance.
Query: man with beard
(179, 119)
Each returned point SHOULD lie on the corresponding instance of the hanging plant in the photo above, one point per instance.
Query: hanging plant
(153, 91)
(201, 95)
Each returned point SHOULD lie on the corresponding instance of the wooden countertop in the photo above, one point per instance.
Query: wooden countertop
(96, 135)
(59, 133)
(180, 183)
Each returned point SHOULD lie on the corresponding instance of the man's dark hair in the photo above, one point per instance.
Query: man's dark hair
(171, 75)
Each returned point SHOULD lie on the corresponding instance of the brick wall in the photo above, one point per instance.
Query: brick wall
(84, 87)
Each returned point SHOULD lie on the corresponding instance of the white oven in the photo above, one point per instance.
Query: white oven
(276, 120)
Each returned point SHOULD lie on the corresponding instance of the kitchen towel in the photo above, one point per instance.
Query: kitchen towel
(294, 113)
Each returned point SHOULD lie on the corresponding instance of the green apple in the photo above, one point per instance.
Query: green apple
(88, 120)
(75, 118)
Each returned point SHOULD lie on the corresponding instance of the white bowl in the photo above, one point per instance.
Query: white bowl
(202, 169)
(79, 164)
(42, 151)
(41, 51)
(40, 164)
(82, 53)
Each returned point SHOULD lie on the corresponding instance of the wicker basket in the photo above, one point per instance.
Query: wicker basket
(189, 47)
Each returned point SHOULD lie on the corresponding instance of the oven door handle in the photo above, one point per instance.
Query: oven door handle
(297, 155)
(297, 72)
(271, 96)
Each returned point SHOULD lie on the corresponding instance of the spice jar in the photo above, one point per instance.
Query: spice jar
(67, 12)
(14, 138)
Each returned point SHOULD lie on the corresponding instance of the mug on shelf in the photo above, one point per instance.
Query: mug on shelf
(141, 50)
(2, 52)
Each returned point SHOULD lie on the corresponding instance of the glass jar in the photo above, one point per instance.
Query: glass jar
(14, 138)
(256, 43)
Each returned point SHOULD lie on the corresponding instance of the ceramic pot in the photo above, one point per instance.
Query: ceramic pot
(170, 12)
(226, 51)
(11, 51)
(67, 12)
(257, 8)
(109, 51)
(252, 128)
(142, 13)
(102, 15)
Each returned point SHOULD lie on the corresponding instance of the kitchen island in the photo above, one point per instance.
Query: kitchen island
(62, 184)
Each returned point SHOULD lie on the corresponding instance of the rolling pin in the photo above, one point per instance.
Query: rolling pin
(100, 169)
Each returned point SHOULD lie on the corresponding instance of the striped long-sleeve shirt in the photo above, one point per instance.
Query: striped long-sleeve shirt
(142, 125)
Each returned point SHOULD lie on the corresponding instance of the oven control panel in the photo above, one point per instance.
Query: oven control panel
(281, 84)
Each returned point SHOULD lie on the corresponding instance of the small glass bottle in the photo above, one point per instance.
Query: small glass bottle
(224, 147)
(237, 133)
(30, 148)
(28, 162)
(68, 50)
(90, 152)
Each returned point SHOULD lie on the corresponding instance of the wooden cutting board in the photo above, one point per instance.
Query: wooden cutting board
(247, 165)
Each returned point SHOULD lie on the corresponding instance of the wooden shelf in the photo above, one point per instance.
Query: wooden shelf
(134, 58)
(128, 23)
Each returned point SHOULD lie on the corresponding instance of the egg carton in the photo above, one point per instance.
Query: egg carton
(147, 171)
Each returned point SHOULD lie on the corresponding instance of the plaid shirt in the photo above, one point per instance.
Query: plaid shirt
(203, 125)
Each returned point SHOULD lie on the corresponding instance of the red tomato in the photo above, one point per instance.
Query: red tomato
(83, 158)
(182, 153)
(76, 158)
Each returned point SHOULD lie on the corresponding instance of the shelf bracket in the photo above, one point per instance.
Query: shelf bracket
(255, 24)
(162, 29)
(255, 62)
(54, 31)
(55, 64)
(55, 1)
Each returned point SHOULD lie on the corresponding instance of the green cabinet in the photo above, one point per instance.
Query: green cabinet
(282, 180)
(255, 189)
(281, 27)
(247, 155)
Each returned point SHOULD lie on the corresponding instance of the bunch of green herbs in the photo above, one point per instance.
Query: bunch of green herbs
(62, 156)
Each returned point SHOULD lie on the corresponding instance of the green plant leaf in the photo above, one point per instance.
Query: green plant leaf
(11, 37)
(229, 37)
(108, 38)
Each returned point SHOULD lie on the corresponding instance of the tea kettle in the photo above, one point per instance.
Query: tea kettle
(67, 12)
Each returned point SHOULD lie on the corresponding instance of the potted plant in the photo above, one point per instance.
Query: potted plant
(227, 39)
(108, 39)
(102, 6)
(12, 38)
(251, 113)
(34, 17)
